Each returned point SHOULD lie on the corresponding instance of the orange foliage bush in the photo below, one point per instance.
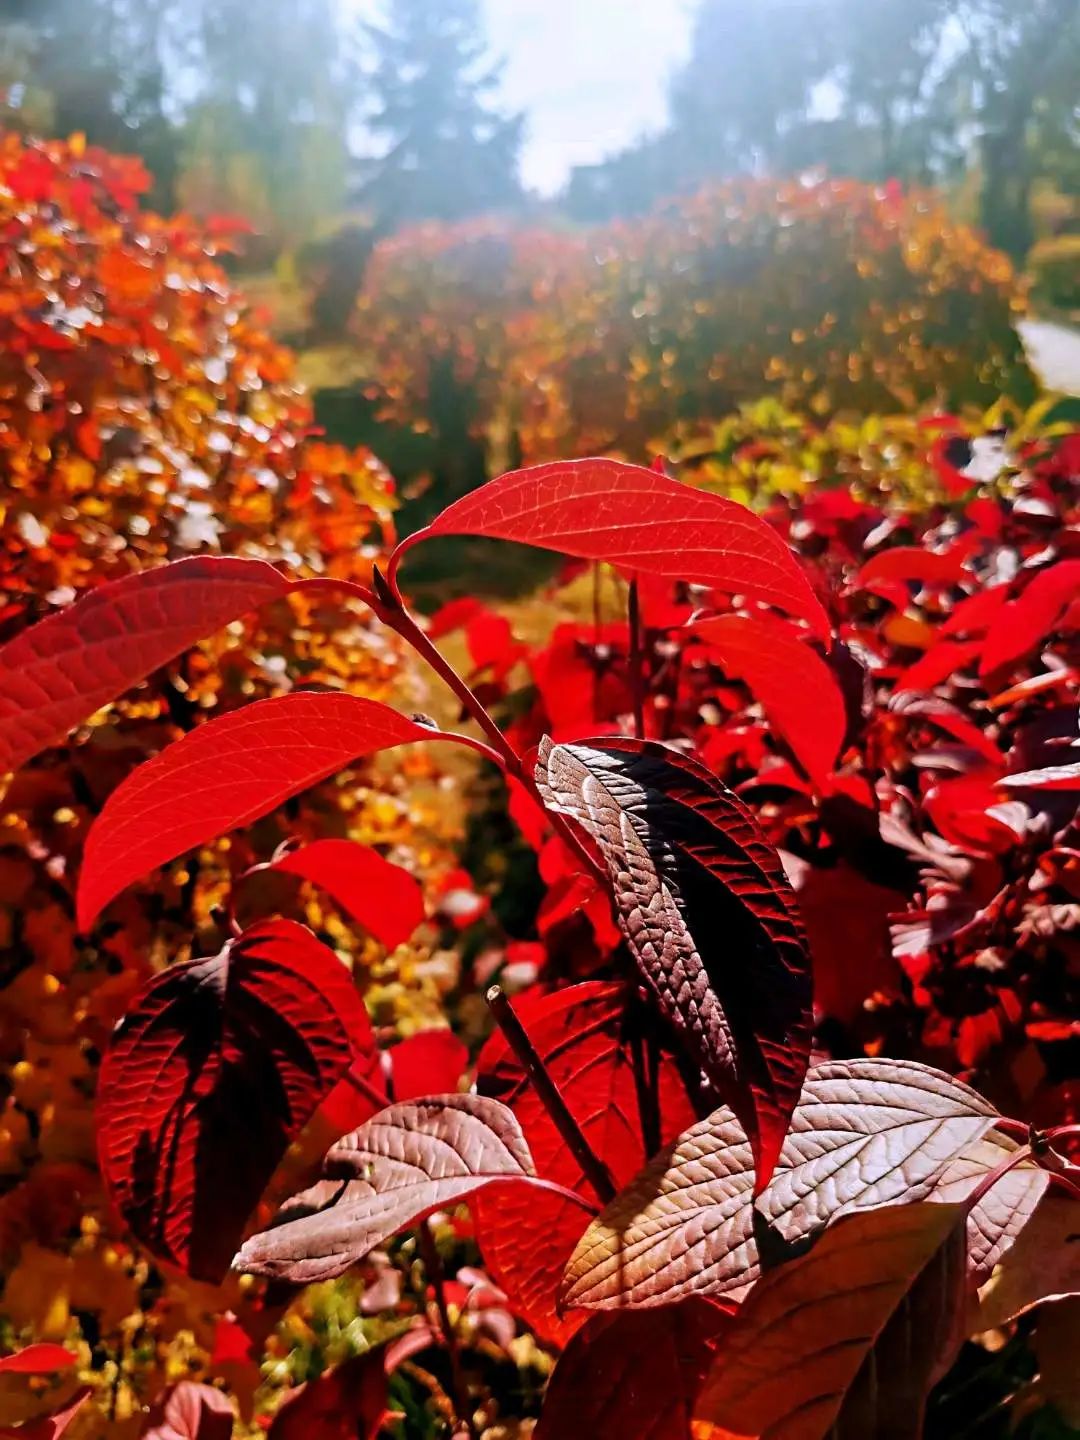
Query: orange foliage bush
(828, 295)
(144, 415)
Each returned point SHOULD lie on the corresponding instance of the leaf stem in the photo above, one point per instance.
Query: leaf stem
(392, 611)
(594, 1169)
(433, 1265)
(998, 1173)
(637, 675)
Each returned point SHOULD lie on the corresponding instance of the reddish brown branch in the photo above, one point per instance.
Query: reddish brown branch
(593, 1168)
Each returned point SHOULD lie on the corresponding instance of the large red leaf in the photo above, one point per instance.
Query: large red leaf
(847, 1340)
(227, 774)
(431, 1062)
(41, 1359)
(912, 562)
(382, 897)
(1026, 621)
(215, 1068)
(794, 686)
(634, 1376)
(640, 520)
(58, 673)
(708, 913)
(405, 1162)
(346, 1403)
(189, 1411)
(594, 1051)
(866, 1133)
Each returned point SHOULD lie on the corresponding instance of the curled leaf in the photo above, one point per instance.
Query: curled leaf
(382, 897)
(708, 913)
(794, 686)
(408, 1160)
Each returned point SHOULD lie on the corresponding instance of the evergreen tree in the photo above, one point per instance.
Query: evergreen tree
(447, 152)
(102, 66)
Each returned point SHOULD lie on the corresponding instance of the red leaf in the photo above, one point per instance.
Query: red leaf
(430, 1063)
(1025, 622)
(973, 615)
(852, 960)
(940, 661)
(188, 1411)
(633, 1375)
(382, 897)
(709, 916)
(911, 562)
(41, 1359)
(347, 1403)
(797, 690)
(224, 775)
(216, 1067)
(58, 673)
(588, 1043)
(599, 509)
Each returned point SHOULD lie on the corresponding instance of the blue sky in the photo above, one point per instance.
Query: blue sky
(591, 75)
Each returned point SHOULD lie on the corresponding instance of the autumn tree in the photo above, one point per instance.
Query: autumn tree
(448, 151)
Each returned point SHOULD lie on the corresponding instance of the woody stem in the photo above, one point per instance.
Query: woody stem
(594, 1169)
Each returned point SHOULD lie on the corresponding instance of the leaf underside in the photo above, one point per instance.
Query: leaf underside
(709, 916)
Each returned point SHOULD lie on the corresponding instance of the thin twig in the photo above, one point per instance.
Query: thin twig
(393, 612)
(594, 1169)
(433, 1265)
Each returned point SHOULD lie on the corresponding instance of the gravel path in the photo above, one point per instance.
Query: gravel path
(1054, 352)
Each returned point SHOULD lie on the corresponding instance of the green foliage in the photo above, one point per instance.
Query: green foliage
(1055, 270)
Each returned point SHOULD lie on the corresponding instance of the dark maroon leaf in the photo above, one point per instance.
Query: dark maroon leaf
(709, 915)
(346, 1403)
(846, 1341)
(216, 1067)
(633, 1376)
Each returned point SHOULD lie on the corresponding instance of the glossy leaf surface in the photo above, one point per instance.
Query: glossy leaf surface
(708, 913)
(216, 1067)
